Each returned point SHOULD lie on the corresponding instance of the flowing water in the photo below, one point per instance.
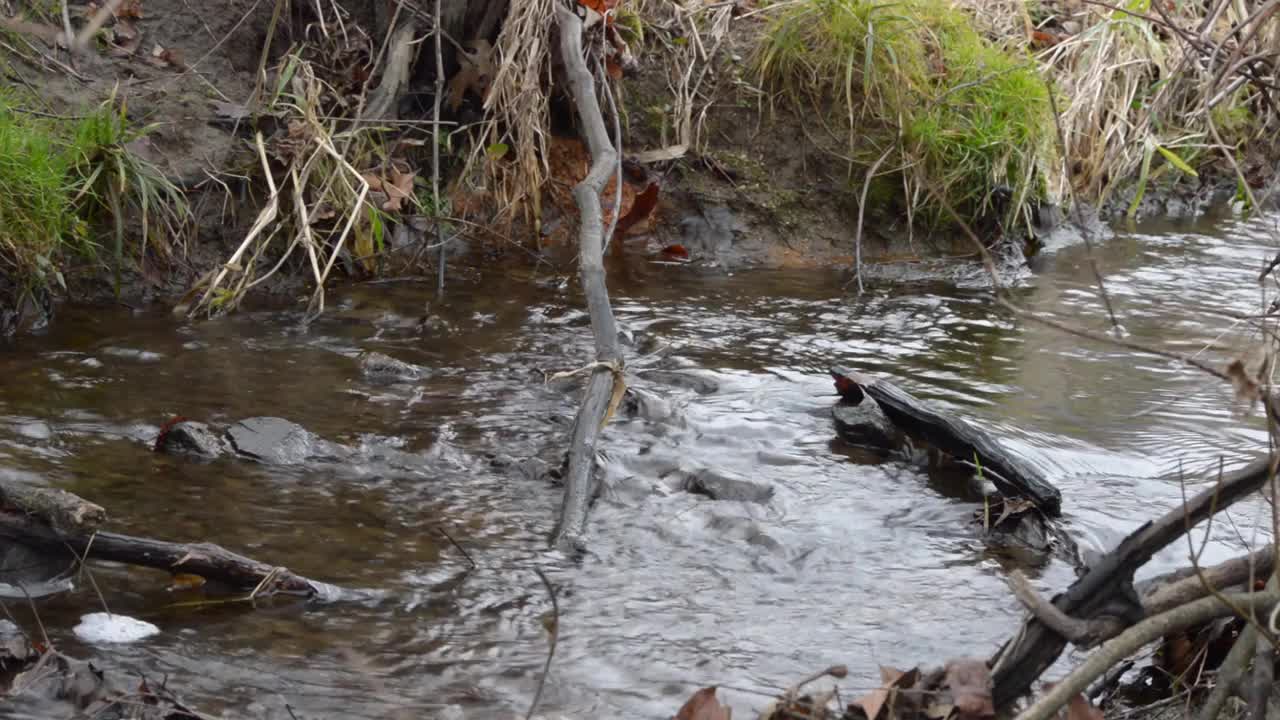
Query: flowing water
(850, 562)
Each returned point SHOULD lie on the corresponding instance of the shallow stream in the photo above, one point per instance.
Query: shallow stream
(850, 562)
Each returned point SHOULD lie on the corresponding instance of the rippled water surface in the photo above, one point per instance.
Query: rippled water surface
(850, 562)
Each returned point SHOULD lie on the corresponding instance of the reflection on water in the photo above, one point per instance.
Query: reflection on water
(850, 562)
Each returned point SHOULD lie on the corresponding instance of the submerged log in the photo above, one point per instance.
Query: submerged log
(1013, 476)
(58, 509)
(207, 560)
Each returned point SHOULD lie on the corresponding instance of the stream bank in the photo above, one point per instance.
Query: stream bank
(745, 171)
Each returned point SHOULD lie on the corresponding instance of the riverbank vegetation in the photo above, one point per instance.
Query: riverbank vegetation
(809, 118)
(68, 186)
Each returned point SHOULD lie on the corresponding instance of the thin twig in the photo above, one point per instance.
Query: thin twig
(862, 207)
(554, 631)
(435, 151)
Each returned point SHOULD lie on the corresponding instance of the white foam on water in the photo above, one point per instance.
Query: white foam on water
(104, 628)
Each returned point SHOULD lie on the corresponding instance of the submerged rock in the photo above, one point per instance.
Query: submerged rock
(377, 367)
(273, 440)
(865, 424)
(194, 438)
(719, 486)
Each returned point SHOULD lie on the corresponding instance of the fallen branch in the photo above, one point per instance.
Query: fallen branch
(593, 412)
(1108, 584)
(1081, 633)
(207, 560)
(1133, 639)
(1184, 586)
(59, 509)
(1234, 668)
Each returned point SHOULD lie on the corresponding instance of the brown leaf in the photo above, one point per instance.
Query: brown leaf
(130, 9)
(703, 705)
(892, 680)
(474, 75)
(1249, 377)
(186, 581)
(970, 683)
(126, 38)
(398, 186)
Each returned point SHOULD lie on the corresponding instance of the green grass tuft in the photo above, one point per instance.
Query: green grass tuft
(960, 116)
(65, 184)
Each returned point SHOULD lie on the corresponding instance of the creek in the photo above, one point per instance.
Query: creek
(850, 561)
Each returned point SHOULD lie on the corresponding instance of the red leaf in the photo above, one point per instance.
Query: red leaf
(675, 252)
(164, 431)
(641, 208)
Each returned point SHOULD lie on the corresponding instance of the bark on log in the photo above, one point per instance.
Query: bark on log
(1183, 586)
(1029, 653)
(207, 560)
(579, 480)
(1013, 476)
(59, 509)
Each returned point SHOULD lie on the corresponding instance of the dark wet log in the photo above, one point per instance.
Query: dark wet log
(207, 560)
(607, 368)
(59, 509)
(1012, 476)
(1107, 587)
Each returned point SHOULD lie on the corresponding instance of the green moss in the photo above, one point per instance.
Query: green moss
(959, 115)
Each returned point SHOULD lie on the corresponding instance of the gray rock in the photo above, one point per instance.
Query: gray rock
(719, 486)
(647, 406)
(194, 438)
(272, 440)
(865, 424)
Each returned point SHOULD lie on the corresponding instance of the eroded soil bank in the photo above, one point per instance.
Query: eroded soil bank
(728, 166)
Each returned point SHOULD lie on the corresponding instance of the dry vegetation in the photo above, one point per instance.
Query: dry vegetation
(935, 108)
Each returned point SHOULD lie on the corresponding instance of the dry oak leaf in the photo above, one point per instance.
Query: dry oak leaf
(703, 705)
(892, 680)
(475, 73)
(970, 683)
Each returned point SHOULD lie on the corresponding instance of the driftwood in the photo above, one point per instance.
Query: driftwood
(207, 560)
(1013, 476)
(59, 509)
(606, 371)
(1107, 587)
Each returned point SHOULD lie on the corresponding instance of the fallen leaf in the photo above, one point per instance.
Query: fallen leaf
(130, 9)
(703, 705)
(641, 208)
(970, 683)
(126, 38)
(1248, 381)
(474, 75)
(399, 188)
(186, 581)
(892, 680)
(675, 252)
(1041, 39)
